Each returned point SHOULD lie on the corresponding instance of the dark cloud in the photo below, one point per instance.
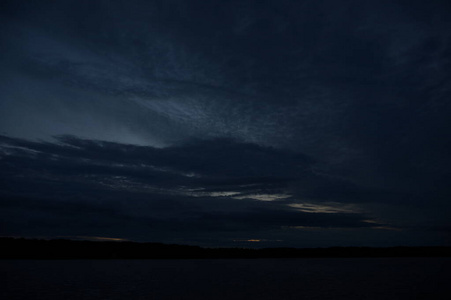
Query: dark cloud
(272, 103)
(84, 187)
(199, 186)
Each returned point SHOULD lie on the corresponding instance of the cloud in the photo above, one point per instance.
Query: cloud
(90, 187)
(302, 103)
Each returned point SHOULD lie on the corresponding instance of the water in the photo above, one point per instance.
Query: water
(321, 278)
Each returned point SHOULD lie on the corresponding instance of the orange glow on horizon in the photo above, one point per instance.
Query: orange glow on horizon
(101, 238)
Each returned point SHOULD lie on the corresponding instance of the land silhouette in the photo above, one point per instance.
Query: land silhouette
(19, 248)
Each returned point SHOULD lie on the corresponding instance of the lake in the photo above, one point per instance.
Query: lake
(304, 278)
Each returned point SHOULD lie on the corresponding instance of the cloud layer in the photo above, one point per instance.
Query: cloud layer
(241, 116)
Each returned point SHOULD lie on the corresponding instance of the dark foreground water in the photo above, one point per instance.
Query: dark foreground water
(322, 278)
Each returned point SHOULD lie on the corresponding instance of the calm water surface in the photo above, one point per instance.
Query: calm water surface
(330, 278)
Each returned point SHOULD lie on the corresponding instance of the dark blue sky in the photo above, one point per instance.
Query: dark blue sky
(227, 123)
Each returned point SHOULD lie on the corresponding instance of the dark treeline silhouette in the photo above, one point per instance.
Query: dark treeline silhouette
(18, 248)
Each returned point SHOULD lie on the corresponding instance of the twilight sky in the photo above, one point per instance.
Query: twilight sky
(250, 123)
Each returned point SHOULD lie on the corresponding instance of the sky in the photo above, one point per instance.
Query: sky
(242, 123)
